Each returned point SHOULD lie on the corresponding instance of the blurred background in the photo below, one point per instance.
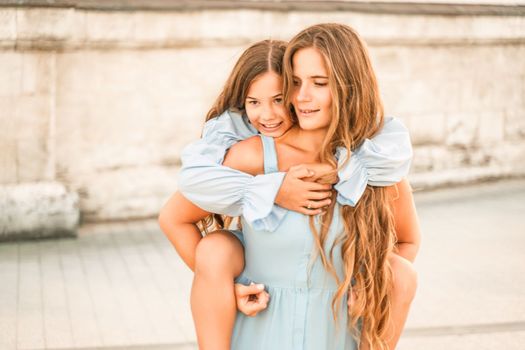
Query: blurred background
(97, 99)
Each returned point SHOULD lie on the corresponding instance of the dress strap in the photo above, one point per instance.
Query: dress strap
(270, 154)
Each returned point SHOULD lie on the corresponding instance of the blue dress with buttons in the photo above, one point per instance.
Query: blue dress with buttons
(299, 314)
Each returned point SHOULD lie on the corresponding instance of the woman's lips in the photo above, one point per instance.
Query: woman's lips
(306, 112)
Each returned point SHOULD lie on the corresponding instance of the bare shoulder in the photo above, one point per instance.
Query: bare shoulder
(246, 156)
(402, 188)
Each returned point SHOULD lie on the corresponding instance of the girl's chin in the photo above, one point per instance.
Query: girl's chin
(277, 133)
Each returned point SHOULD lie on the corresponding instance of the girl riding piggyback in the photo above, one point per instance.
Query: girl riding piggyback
(251, 103)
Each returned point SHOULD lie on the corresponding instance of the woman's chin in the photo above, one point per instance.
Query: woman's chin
(308, 125)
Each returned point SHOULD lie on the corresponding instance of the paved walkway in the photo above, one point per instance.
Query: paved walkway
(122, 286)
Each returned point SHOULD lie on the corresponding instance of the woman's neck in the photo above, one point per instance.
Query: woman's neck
(309, 141)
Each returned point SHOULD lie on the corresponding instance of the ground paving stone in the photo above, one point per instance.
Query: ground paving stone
(122, 286)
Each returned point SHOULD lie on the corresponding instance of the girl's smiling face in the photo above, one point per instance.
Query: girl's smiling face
(264, 105)
(311, 95)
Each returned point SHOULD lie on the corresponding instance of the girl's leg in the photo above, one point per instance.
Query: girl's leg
(219, 258)
(404, 290)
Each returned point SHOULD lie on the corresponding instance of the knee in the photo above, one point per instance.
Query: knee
(217, 254)
(404, 279)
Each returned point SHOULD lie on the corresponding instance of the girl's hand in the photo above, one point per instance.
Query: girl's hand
(301, 193)
(323, 173)
(251, 299)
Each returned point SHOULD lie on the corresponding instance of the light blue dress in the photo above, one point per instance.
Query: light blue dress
(278, 243)
(299, 314)
(380, 161)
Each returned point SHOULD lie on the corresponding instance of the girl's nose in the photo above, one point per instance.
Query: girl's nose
(267, 113)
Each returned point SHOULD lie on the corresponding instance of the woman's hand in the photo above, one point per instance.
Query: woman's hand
(251, 299)
(307, 188)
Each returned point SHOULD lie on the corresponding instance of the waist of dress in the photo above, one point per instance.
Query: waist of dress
(299, 286)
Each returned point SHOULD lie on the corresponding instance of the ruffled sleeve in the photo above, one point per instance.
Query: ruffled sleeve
(223, 190)
(227, 129)
(381, 161)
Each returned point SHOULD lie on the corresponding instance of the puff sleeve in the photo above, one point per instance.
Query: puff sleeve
(380, 161)
(223, 190)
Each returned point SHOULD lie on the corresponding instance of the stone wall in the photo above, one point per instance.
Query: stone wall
(102, 100)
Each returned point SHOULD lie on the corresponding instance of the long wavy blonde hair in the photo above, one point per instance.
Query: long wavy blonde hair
(368, 236)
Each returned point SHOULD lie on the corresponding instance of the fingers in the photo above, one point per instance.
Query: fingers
(320, 169)
(316, 207)
(318, 196)
(321, 204)
(324, 173)
(307, 211)
(317, 200)
(243, 291)
(301, 171)
(328, 179)
(252, 308)
(315, 172)
(251, 299)
(308, 176)
(314, 186)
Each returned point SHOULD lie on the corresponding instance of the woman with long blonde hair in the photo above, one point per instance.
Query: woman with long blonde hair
(373, 161)
(311, 266)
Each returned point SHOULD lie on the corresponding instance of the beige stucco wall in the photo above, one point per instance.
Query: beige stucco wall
(103, 101)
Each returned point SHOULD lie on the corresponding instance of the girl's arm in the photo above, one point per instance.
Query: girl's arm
(381, 161)
(218, 189)
(177, 219)
(246, 156)
(222, 189)
(406, 220)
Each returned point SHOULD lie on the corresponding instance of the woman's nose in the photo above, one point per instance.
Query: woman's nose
(303, 93)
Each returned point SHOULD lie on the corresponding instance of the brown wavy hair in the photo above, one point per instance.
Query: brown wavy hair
(262, 57)
(368, 236)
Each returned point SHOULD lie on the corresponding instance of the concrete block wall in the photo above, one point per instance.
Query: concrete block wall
(37, 210)
(103, 101)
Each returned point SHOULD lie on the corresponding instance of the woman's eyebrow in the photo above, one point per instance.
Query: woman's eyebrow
(279, 94)
(311, 77)
(249, 97)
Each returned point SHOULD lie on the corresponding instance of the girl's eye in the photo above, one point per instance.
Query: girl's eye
(253, 103)
(279, 100)
(295, 83)
(318, 83)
